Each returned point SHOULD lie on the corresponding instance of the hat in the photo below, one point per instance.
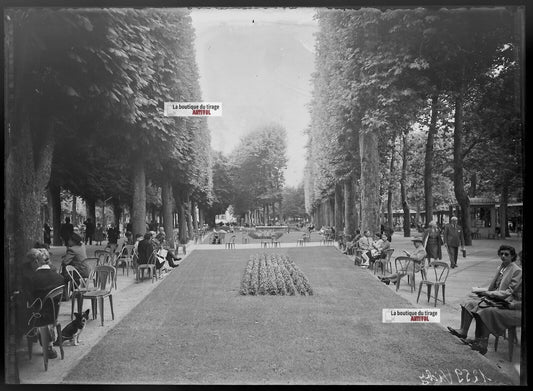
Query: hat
(454, 217)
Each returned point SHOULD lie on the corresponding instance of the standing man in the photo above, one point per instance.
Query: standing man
(453, 238)
(89, 231)
(66, 230)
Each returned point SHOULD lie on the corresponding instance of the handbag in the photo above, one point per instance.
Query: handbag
(487, 302)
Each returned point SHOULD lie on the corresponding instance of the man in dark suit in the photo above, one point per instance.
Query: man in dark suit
(453, 238)
(145, 248)
(37, 285)
(66, 230)
(89, 231)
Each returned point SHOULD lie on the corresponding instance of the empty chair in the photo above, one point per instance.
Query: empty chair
(80, 286)
(103, 256)
(230, 243)
(405, 267)
(125, 258)
(274, 242)
(51, 300)
(436, 276)
(104, 276)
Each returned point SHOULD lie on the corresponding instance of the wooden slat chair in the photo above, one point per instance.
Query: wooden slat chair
(50, 301)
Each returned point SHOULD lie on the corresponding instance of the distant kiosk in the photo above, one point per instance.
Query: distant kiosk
(483, 218)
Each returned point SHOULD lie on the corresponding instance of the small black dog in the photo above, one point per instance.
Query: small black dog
(72, 331)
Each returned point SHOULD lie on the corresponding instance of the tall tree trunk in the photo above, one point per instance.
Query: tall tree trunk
(338, 208)
(73, 213)
(473, 185)
(138, 213)
(90, 205)
(189, 216)
(117, 211)
(194, 217)
(166, 207)
(182, 218)
(201, 217)
(458, 183)
(390, 221)
(368, 142)
(356, 205)
(428, 161)
(55, 196)
(349, 223)
(504, 200)
(104, 222)
(403, 191)
(29, 150)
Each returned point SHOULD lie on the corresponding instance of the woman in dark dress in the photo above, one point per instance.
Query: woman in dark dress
(433, 242)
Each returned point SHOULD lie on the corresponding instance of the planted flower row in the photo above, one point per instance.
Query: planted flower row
(273, 274)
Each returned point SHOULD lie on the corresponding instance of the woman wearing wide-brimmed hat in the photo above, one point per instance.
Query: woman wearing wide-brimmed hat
(418, 255)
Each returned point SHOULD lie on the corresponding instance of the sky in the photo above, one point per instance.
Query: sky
(257, 62)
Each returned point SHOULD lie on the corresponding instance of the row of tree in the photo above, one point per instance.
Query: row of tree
(85, 94)
(409, 104)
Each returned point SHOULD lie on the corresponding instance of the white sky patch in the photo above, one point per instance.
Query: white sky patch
(257, 62)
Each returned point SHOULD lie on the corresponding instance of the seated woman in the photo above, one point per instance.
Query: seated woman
(418, 256)
(38, 281)
(75, 256)
(379, 248)
(504, 286)
(365, 244)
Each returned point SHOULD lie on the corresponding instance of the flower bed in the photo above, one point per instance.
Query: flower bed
(274, 274)
(265, 234)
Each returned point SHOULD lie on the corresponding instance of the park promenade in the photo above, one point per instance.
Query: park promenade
(475, 270)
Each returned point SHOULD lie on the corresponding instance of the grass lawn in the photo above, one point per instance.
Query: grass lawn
(195, 328)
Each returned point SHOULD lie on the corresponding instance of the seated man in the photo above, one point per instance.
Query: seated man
(37, 284)
(145, 249)
(504, 286)
(418, 256)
